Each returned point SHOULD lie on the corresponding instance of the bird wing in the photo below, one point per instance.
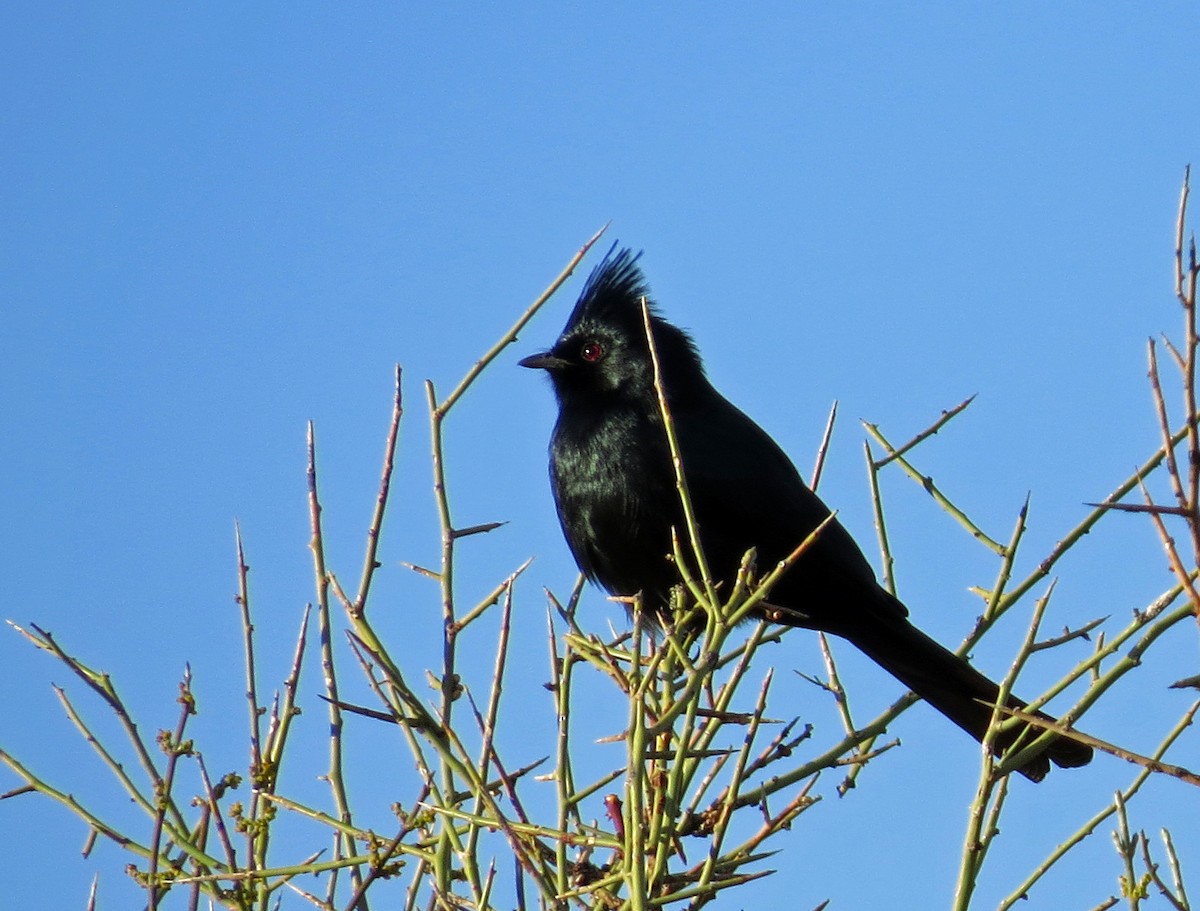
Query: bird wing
(747, 493)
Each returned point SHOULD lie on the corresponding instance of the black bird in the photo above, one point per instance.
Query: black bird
(614, 486)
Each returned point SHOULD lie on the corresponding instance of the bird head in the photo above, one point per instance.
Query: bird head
(603, 352)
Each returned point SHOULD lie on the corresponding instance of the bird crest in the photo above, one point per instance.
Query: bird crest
(612, 300)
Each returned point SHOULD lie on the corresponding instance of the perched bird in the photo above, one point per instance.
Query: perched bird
(614, 487)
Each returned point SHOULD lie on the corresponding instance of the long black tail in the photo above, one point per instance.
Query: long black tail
(959, 691)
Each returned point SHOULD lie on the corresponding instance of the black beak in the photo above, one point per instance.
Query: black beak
(543, 361)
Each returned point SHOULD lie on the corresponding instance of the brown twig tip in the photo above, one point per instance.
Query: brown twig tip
(823, 448)
(1146, 762)
(1151, 508)
(365, 711)
(946, 416)
(612, 809)
(1083, 632)
(477, 529)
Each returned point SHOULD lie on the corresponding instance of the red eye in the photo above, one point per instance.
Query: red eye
(592, 352)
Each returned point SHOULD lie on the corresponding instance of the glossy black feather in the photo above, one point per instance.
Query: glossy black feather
(614, 488)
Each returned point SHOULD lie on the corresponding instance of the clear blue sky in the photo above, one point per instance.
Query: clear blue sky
(220, 222)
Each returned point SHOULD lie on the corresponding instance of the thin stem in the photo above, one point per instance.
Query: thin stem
(337, 784)
(681, 485)
(511, 335)
(823, 449)
(371, 560)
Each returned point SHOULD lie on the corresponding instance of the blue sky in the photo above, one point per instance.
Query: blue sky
(218, 223)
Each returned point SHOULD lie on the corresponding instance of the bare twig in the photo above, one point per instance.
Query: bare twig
(823, 449)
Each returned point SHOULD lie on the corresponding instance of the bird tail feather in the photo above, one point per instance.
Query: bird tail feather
(961, 693)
